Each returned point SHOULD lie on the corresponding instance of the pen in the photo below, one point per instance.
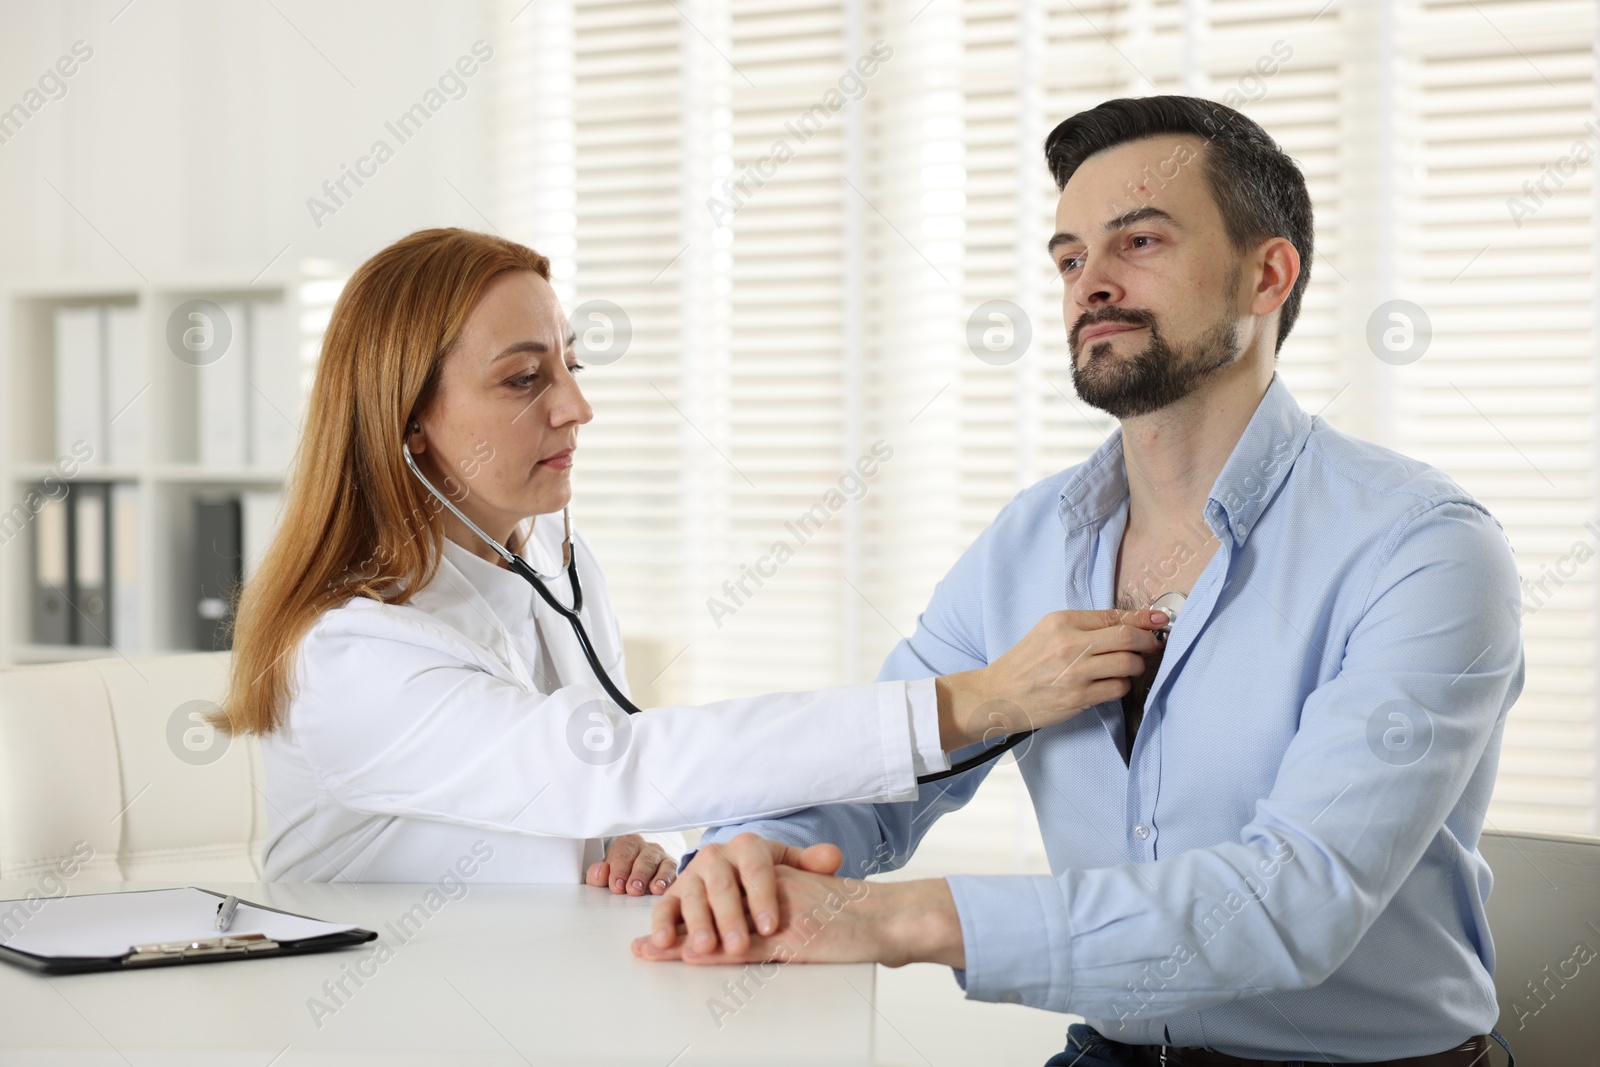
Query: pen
(225, 911)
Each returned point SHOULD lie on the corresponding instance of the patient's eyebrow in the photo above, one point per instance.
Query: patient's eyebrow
(1121, 222)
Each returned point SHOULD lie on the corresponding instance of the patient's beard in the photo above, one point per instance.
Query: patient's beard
(1156, 376)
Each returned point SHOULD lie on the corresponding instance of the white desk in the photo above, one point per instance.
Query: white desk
(503, 975)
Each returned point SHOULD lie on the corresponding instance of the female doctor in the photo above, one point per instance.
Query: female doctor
(420, 707)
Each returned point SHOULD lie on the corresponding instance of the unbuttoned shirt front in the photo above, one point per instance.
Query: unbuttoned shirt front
(1287, 866)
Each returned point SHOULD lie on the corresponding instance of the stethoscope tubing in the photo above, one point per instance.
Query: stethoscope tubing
(571, 615)
(533, 578)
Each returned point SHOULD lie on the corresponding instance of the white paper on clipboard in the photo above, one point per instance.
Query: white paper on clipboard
(108, 924)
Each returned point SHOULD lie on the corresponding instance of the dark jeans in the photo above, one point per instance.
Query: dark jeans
(1087, 1047)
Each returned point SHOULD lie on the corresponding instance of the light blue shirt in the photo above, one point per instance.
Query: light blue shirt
(1288, 866)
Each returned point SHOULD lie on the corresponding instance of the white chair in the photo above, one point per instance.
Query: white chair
(105, 765)
(1544, 913)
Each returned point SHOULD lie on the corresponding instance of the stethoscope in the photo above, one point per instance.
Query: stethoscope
(1167, 602)
(537, 580)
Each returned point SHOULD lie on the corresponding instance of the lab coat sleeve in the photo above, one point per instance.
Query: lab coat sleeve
(400, 718)
(1388, 751)
(671, 841)
(882, 836)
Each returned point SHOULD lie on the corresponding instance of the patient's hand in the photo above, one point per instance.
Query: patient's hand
(634, 866)
(803, 914)
(728, 884)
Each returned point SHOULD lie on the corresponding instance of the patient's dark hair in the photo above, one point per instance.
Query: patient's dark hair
(1258, 190)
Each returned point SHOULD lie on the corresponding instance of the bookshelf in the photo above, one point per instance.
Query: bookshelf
(162, 449)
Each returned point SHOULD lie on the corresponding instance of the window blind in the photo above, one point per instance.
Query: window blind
(800, 279)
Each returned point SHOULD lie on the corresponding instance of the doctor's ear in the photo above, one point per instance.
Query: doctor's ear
(414, 439)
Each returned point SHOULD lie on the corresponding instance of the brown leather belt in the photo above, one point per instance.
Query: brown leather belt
(1474, 1052)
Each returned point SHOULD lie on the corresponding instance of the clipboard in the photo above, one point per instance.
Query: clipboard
(155, 928)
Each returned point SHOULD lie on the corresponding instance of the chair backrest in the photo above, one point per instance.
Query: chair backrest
(108, 772)
(1544, 913)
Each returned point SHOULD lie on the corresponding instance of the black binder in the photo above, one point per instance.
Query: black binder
(52, 570)
(237, 943)
(91, 563)
(219, 568)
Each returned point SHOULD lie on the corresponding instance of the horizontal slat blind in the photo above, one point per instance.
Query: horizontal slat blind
(824, 306)
(1503, 399)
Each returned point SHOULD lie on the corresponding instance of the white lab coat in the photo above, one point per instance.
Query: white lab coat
(417, 731)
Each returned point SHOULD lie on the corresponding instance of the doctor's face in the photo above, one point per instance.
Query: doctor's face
(500, 433)
(1151, 295)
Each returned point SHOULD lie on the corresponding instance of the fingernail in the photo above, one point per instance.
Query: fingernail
(765, 923)
(662, 938)
(1158, 617)
(638, 885)
(662, 882)
(702, 940)
(617, 885)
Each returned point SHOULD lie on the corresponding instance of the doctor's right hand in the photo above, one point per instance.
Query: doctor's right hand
(1069, 661)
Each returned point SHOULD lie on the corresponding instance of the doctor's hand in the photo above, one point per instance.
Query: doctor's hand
(1069, 661)
(634, 866)
(726, 888)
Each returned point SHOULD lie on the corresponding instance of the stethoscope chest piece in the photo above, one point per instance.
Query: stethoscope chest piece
(1171, 603)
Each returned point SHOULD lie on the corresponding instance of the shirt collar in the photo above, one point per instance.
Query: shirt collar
(1256, 467)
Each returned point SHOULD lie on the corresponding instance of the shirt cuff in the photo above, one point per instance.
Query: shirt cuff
(1014, 932)
(922, 708)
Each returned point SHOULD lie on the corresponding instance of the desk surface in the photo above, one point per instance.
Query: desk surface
(501, 975)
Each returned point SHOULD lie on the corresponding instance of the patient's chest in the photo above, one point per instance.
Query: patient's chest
(1147, 567)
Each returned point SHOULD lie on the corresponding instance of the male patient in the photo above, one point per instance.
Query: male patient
(1266, 852)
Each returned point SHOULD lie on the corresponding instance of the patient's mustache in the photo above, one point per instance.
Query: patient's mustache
(1120, 315)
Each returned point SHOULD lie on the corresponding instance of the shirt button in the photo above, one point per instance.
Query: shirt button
(1011, 996)
(1141, 831)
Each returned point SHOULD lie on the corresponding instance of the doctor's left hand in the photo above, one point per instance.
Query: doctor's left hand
(634, 866)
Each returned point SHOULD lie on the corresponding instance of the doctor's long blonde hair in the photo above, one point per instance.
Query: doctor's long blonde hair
(355, 521)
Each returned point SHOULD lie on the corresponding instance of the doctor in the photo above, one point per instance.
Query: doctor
(419, 706)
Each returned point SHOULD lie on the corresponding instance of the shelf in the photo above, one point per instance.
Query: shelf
(35, 470)
(62, 653)
(177, 473)
(194, 474)
(172, 400)
(72, 288)
(80, 653)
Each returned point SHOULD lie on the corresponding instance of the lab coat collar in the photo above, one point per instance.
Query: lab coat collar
(1256, 467)
(507, 593)
(488, 603)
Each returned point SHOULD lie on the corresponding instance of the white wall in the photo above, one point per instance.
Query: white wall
(197, 131)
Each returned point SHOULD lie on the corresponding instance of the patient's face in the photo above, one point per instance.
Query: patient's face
(507, 403)
(1166, 277)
